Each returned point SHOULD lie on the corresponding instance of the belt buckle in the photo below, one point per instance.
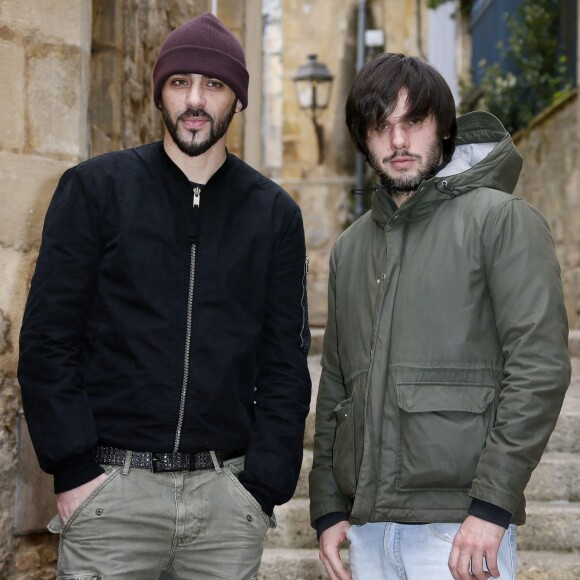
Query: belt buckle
(164, 462)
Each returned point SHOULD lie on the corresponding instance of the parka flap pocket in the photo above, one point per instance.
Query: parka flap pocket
(443, 428)
(433, 397)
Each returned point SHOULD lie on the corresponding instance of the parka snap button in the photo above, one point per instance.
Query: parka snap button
(249, 518)
(99, 511)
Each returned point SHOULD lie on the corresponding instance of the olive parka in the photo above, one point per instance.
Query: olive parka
(445, 358)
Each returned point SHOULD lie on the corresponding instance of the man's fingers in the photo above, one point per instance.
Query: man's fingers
(491, 563)
(333, 564)
(453, 559)
(477, 569)
(330, 541)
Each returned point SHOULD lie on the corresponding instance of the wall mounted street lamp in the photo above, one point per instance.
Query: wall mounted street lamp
(313, 82)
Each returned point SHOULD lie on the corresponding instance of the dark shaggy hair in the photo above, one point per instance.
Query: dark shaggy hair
(375, 92)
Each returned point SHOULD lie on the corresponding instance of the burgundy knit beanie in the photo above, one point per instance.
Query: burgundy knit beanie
(203, 46)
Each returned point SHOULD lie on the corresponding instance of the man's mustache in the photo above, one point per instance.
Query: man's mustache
(401, 154)
(192, 113)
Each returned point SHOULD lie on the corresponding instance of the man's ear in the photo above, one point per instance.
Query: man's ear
(238, 106)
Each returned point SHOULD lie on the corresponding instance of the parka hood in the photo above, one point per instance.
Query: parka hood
(485, 157)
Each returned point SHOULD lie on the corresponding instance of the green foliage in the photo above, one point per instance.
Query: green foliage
(465, 5)
(541, 71)
(436, 3)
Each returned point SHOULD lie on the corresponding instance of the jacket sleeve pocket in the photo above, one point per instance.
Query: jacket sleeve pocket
(442, 431)
(343, 451)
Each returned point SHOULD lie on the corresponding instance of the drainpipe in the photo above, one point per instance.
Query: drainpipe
(360, 60)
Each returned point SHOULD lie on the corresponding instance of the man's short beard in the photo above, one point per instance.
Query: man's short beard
(398, 186)
(190, 147)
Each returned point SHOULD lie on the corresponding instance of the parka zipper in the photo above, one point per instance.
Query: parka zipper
(188, 327)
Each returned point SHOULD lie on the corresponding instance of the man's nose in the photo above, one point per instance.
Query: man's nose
(399, 137)
(195, 98)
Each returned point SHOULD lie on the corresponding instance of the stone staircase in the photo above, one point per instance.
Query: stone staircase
(548, 545)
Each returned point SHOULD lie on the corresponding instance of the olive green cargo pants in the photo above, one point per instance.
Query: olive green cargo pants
(140, 525)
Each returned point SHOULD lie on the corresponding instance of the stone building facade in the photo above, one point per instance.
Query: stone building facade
(75, 82)
(551, 182)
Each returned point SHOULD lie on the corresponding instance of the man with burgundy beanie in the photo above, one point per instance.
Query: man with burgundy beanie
(164, 343)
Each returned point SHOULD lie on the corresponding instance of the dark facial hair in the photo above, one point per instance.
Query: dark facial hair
(190, 147)
(398, 186)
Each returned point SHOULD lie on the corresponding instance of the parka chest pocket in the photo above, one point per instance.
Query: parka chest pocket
(442, 431)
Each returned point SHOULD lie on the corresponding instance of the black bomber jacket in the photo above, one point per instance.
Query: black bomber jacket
(161, 320)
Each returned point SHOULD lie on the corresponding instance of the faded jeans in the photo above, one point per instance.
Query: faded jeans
(139, 525)
(389, 551)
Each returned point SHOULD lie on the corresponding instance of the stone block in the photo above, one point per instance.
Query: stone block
(281, 564)
(315, 370)
(574, 343)
(57, 105)
(12, 64)
(65, 22)
(294, 530)
(302, 487)
(557, 478)
(548, 566)
(551, 526)
(27, 183)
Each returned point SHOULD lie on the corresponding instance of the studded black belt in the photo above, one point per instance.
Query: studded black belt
(158, 462)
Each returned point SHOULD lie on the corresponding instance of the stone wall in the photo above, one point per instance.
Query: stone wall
(550, 181)
(44, 72)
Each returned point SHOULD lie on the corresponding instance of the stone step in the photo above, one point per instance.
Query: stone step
(565, 437)
(574, 343)
(294, 530)
(302, 487)
(317, 335)
(551, 526)
(284, 564)
(557, 478)
(315, 370)
(547, 566)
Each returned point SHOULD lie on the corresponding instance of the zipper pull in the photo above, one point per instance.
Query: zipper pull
(196, 196)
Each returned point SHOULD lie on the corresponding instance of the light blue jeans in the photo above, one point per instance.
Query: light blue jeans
(385, 551)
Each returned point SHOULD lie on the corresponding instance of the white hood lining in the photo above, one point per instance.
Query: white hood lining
(465, 157)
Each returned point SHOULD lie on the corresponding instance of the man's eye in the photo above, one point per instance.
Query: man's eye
(215, 84)
(179, 82)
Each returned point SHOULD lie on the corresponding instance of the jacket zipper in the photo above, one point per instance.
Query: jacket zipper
(304, 304)
(188, 326)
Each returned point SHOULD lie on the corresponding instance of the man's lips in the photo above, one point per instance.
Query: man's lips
(402, 162)
(194, 122)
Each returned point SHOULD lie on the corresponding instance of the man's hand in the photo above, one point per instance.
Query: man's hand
(330, 541)
(476, 539)
(68, 501)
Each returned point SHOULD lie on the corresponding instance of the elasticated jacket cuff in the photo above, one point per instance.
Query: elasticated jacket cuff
(490, 513)
(328, 520)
